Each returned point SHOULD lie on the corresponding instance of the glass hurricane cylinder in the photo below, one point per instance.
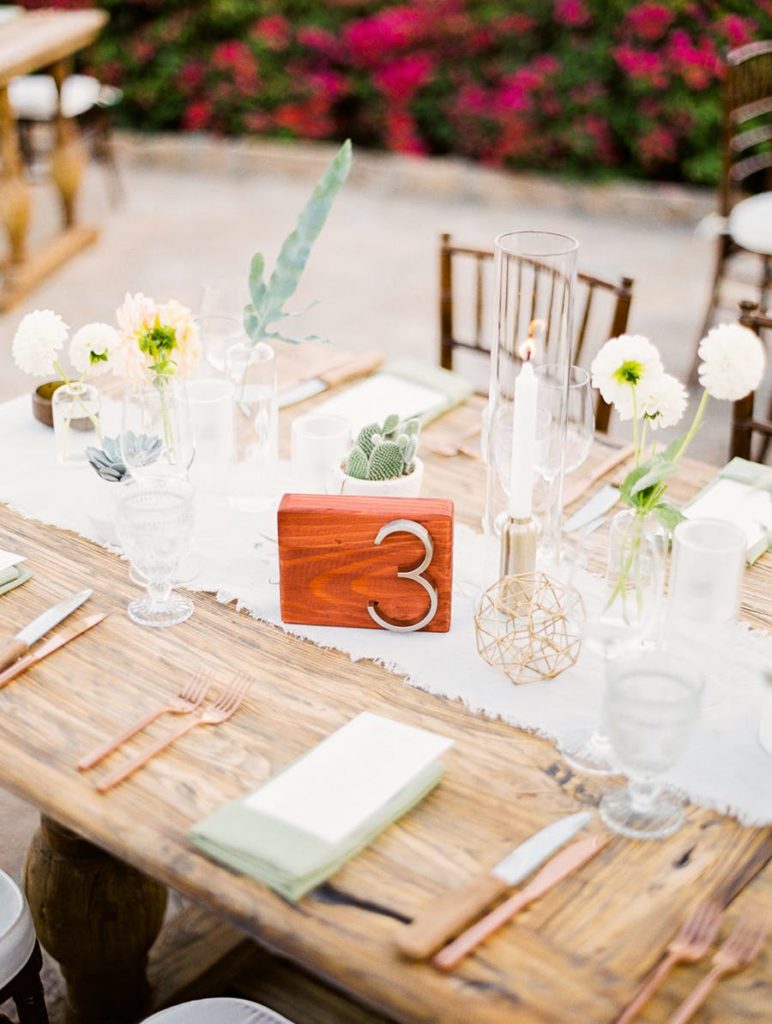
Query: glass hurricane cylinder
(535, 281)
(75, 411)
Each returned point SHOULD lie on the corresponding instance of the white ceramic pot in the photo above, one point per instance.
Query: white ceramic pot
(399, 487)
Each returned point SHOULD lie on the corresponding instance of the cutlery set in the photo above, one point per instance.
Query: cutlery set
(425, 938)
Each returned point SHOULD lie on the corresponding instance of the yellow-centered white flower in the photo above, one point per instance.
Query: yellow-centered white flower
(733, 362)
(38, 340)
(92, 349)
(661, 400)
(621, 367)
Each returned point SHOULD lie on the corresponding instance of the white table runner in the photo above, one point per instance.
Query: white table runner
(724, 766)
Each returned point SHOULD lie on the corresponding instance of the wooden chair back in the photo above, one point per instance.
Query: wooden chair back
(747, 123)
(591, 294)
(744, 423)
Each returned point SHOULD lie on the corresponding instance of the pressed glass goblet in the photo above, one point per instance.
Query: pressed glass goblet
(630, 554)
(155, 522)
(652, 703)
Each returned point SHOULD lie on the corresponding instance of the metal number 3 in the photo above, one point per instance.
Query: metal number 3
(408, 526)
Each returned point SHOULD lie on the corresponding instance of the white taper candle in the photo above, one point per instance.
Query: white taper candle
(523, 443)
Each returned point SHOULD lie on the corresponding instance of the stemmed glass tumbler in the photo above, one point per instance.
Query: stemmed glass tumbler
(560, 446)
(155, 522)
(652, 702)
(630, 556)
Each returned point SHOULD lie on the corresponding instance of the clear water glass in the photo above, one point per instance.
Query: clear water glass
(629, 552)
(319, 442)
(218, 334)
(154, 523)
(252, 371)
(652, 703)
(707, 571)
(75, 412)
(211, 415)
(564, 433)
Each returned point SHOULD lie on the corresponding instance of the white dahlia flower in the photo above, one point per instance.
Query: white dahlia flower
(733, 361)
(92, 349)
(621, 367)
(662, 400)
(38, 340)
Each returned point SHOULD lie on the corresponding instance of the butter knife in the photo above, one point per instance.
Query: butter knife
(449, 914)
(18, 645)
(359, 366)
(22, 664)
(561, 866)
(598, 505)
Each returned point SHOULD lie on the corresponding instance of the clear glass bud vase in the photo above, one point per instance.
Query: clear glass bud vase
(76, 422)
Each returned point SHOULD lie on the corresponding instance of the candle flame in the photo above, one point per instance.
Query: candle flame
(527, 350)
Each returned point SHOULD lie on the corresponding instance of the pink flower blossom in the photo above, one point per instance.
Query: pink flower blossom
(572, 13)
(197, 116)
(402, 133)
(191, 75)
(737, 30)
(698, 64)
(319, 39)
(370, 39)
(401, 79)
(658, 146)
(650, 21)
(597, 128)
(644, 65)
(273, 31)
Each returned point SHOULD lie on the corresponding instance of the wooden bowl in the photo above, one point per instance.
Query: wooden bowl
(41, 402)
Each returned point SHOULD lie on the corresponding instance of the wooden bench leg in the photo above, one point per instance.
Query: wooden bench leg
(98, 917)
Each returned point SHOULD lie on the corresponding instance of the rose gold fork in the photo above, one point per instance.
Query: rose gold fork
(226, 704)
(693, 941)
(738, 951)
(187, 700)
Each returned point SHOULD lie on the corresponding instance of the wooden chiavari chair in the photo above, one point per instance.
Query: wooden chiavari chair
(744, 424)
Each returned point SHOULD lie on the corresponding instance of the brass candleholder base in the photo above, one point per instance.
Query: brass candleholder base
(523, 630)
(518, 547)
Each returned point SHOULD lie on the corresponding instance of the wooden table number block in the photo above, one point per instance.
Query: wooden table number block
(378, 563)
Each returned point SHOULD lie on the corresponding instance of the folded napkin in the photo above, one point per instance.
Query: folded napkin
(741, 494)
(302, 826)
(12, 574)
(405, 386)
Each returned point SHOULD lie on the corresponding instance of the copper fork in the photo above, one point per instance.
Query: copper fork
(693, 941)
(220, 711)
(187, 700)
(738, 951)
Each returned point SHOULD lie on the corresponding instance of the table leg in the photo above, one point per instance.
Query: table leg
(14, 193)
(68, 160)
(98, 917)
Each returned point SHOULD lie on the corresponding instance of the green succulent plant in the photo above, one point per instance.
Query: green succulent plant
(108, 460)
(384, 451)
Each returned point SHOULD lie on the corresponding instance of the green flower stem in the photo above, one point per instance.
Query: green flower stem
(160, 383)
(692, 431)
(636, 445)
(94, 419)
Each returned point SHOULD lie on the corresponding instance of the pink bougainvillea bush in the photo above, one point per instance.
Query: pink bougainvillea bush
(578, 86)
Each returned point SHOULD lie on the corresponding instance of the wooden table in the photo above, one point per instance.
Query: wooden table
(28, 43)
(575, 958)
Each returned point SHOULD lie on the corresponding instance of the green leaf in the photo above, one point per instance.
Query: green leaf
(669, 453)
(656, 472)
(257, 288)
(668, 515)
(297, 247)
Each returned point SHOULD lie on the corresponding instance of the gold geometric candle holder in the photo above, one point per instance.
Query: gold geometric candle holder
(523, 628)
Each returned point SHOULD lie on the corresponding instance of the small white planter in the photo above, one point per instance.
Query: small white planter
(399, 487)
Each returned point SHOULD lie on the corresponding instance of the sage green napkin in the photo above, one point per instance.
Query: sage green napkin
(264, 834)
(727, 496)
(13, 577)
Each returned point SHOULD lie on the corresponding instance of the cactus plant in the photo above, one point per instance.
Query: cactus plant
(384, 451)
(108, 460)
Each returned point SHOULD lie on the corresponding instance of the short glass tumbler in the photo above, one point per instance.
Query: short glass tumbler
(652, 703)
(75, 410)
(155, 522)
(707, 571)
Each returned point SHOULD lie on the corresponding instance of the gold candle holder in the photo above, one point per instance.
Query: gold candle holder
(523, 628)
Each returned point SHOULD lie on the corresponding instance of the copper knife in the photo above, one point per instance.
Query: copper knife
(554, 871)
(451, 913)
(22, 664)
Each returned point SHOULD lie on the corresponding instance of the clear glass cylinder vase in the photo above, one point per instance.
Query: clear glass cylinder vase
(535, 275)
(75, 411)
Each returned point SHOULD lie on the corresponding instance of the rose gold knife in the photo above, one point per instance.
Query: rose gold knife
(22, 664)
(554, 871)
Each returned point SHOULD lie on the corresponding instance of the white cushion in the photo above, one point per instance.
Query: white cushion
(217, 1011)
(17, 933)
(34, 98)
(750, 223)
